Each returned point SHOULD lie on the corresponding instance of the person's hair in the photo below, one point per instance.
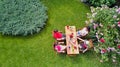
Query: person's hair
(55, 31)
(54, 47)
(88, 28)
(55, 43)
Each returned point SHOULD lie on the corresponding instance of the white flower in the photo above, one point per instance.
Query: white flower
(97, 36)
(106, 6)
(116, 10)
(98, 31)
(86, 22)
(92, 9)
(91, 20)
(101, 25)
(101, 61)
(93, 15)
(88, 14)
(118, 18)
(101, 33)
(97, 8)
(113, 60)
(113, 25)
(101, 9)
(114, 57)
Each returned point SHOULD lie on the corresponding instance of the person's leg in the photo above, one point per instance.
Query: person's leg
(63, 48)
(60, 39)
(61, 43)
(85, 50)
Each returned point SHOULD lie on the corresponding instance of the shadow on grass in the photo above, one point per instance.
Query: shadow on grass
(74, 58)
(81, 57)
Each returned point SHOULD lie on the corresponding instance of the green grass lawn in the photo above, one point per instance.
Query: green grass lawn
(37, 50)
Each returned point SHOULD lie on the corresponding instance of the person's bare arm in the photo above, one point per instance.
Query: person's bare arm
(80, 39)
(85, 50)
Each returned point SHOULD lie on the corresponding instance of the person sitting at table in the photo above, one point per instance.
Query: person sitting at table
(83, 32)
(58, 35)
(59, 48)
(83, 45)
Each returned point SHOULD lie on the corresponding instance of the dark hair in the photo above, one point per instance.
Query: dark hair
(54, 46)
(88, 28)
(55, 43)
(55, 31)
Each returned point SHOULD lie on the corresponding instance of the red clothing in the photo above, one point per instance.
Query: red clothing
(57, 35)
(84, 46)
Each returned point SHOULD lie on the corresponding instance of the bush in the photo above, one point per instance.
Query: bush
(104, 15)
(22, 17)
(101, 2)
(105, 24)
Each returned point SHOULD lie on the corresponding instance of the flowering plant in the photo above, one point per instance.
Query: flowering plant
(105, 27)
(104, 14)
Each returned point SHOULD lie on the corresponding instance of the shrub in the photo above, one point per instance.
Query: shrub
(101, 2)
(22, 17)
(104, 15)
(105, 32)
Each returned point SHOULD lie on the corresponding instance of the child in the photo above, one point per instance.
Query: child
(58, 35)
(83, 45)
(59, 48)
(83, 32)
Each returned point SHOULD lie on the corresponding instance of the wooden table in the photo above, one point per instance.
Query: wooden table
(71, 40)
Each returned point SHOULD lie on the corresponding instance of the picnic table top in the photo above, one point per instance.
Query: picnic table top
(71, 40)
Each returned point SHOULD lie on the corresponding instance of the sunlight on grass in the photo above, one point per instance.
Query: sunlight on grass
(37, 50)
